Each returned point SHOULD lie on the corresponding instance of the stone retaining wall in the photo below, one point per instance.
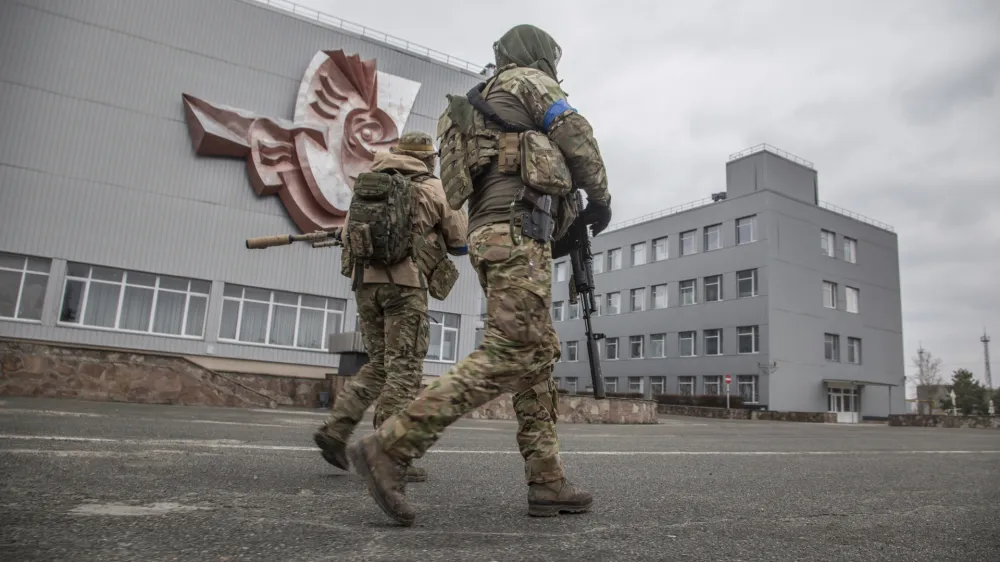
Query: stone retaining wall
(741, 414)
(41, 370)
(952, 422)
(578, 409)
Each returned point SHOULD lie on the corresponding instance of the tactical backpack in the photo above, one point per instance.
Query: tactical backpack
(380, 221)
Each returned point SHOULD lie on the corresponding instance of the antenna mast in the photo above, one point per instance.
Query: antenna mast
(986, 357)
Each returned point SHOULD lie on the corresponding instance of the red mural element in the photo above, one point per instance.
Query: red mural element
(310, 162)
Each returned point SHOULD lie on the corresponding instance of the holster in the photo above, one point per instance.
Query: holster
(537, 223)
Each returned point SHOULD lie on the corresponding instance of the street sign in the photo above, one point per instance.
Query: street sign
(729, 379)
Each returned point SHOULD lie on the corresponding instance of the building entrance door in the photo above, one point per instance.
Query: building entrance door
(845, 403)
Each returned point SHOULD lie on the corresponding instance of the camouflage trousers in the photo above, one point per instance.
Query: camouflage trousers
(395, 332)
(519, 350)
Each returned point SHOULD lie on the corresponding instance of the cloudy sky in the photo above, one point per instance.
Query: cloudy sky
(897, 103)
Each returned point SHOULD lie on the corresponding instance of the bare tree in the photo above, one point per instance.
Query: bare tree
(928, 368)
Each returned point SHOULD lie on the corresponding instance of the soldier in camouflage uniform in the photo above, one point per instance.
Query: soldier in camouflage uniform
(520, 346)
(392, 308)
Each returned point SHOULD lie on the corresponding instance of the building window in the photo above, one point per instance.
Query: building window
(688, 245)
(660, 249)
(660, 296)
(658, 346)
(685, 386)
(713, 237)
(832, 347)
(572, 352)
(850, 250)
(688, 292)
(747, 385)
(598, 305)
(829, 294)
(23, 282)
(746, 283)
(598, 263)
(573, 310)
(635, 347)
(614, 259)
(444, 337)
(131, 301)
(280, 319)
(658, 385)
(687, 344)
(611, 384)
(749, 339)
(635, 385)
(557, 311)
(713, 342)
(853, 299)
(746, 230)
(713, 385)
(854, 350)
(713, 288)
(638, 300)
(614, 303)
(560, 272)
(638, 254)
(571, 385)
(828, 242)
(611, 348)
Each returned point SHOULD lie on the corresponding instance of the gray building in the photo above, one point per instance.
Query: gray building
(115, 233)
(797, 300)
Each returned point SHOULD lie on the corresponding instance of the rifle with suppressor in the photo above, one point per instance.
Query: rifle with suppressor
(576, 243)
(319, 239)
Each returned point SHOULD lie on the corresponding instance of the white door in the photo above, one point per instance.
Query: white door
(844, 402)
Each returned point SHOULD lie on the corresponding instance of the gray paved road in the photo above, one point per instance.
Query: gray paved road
(97, 481)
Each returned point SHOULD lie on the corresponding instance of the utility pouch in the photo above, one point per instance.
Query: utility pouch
(441, 281)
(509, 157)
(543, 166)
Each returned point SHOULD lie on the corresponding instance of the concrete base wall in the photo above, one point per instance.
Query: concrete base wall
(740, 414)
(578, 409)
(919, 420)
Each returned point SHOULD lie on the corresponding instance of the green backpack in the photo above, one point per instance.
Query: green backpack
(380, 220)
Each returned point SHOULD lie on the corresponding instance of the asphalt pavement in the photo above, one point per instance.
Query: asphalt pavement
(89, 481)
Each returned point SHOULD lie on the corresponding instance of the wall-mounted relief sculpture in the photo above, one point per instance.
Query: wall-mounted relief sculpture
(344, 112)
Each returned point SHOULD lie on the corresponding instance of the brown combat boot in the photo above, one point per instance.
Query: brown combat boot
(385, 478)
(416, 474)
(334, 450)
(552, 498)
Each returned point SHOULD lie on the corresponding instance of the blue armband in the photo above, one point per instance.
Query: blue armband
(459, 251)
(555, 110)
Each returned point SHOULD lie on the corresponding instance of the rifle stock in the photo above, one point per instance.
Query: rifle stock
(319, 239)
(581, 284)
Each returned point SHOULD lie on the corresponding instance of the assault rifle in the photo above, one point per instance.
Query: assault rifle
(319, 239)
(576, 243)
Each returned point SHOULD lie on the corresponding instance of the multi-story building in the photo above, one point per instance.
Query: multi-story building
(797, 300)
(128, 181)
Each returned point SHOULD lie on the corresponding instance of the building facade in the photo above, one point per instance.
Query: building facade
(796, 300)
(144, 142)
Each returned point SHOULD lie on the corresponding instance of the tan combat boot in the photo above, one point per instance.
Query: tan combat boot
(552, 498)
(385, 478)
(416, 474)
(334, 450)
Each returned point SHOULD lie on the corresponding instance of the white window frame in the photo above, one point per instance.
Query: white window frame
(751, 382)
(641, 294)
(611, 384)
(830, 295)
(560, 273)
(752, 222)
(558, 311)
(89, 281)
(614, 259)
(442, 324)
(710, 381)
(658, 291)
(748, 331)
(686, 381)
(632, 340)
(828, 242)
(831, 347)
(572, 351)
(717, 282)
(618, 307)
(639, 249)
(661, 248)
(850, 249)
(852, 299)
(740, 276)
(693, 292)
(597, 263)
(689, 236)
(657, 382)
(713, 334)
(573, 310)
(642, 387)
(25, 271)
(692, 336)
(598, 305)
(854, 351)
(571, 384)
(713, 230)
(662, 338)
(299, 307)
(608, 344)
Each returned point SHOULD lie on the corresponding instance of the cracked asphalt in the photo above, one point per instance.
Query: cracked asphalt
(103, 481)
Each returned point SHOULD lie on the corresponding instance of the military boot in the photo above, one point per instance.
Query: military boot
(416, 474)
(384, 476)
(552, 498)
(334, 450)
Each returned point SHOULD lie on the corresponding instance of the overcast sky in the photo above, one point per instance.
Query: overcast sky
(895, 102)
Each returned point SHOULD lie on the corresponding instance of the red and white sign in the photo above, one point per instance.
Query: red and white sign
(729, 379)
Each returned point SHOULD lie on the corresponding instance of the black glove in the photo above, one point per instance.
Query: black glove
(597, 215)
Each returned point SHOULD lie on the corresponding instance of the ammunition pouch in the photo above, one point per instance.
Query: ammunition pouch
(435, 266)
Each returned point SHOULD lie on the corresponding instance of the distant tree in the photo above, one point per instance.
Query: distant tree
(971, 397)
(928, 368)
